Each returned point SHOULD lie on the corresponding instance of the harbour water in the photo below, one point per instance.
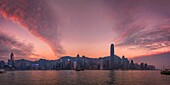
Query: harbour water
(87, 77)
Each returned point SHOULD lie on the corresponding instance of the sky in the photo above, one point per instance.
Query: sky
(49, 29)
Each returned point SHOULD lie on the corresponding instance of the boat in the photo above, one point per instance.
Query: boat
(165, 71)
(79, 69)
(2, 71)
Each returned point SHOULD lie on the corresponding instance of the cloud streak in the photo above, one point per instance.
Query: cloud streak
(37, 17)
(143, 24)
(10, 44)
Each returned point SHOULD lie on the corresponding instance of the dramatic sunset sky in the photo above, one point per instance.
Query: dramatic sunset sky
(49, 29)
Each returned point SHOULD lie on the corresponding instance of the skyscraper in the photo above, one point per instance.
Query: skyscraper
(12, 60)
(12, 56)
(112, 57)
(78, 61)
(112, 50)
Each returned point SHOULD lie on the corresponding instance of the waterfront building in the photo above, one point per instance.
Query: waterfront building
(2, 64)
(124, 63)
(132, 65)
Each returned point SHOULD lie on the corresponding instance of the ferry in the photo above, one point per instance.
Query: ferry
(2, 71)
(79, 69)
(165, 71)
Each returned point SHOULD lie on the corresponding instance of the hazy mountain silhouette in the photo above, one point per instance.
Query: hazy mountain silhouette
(158, 60)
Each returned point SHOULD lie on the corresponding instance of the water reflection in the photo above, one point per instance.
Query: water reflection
(111, 78)
(87, 77)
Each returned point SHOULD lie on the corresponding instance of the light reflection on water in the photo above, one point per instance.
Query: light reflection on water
(87, 77)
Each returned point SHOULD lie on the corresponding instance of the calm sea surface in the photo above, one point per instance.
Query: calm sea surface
(87, 77)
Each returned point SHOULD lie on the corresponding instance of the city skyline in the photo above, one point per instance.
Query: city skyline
(51, 29)
(111, 62)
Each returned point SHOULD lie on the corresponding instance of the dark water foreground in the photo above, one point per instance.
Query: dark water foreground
(87, 77)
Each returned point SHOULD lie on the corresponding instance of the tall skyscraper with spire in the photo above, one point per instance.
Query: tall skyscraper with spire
(112, 54)
(12, 56)
(112, 50)
(11, 61)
